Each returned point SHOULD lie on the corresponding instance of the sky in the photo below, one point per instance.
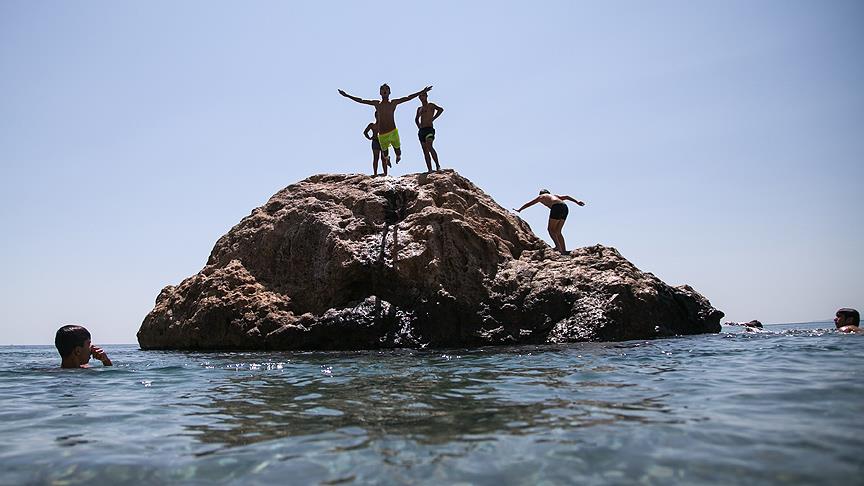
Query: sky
(717, 144)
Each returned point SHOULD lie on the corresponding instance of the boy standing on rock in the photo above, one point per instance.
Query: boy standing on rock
(426, 114)
(371, 133)
(557, 214)
(386, 109)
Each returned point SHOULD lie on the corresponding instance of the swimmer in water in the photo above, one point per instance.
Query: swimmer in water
(75, 348)
(848, 320)
(557, 215)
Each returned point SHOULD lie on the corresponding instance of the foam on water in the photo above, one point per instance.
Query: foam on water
(774, 406)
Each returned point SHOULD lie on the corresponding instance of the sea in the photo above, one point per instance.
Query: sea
(778, 406)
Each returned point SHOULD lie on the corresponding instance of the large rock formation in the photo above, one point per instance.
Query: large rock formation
(355, 262)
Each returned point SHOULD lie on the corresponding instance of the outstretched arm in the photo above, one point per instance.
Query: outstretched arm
(529, 204)
(568, 198)
(366, 132)
(358, 100)
(411, 96)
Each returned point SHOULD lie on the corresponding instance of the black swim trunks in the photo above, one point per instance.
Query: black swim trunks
(426, 133)
(376, 145)
(558, 211)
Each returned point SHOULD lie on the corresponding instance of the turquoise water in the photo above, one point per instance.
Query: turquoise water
(775, 407)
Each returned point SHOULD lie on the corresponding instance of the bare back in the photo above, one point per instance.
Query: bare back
(550, 200)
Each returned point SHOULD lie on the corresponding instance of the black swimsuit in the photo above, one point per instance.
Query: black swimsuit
(558, 211)
(425, 133)
(376, 145)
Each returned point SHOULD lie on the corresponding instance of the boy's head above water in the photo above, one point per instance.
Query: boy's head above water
(75, 348)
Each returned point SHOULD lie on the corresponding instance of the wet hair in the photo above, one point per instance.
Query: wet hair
(384, 86)
(69, 338)
(544, 191)
(846, 313)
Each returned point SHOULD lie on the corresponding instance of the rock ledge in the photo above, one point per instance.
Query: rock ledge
(347, 261)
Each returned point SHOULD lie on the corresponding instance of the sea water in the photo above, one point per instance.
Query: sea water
(781, 406)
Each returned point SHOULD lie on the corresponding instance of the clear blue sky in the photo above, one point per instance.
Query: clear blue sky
(719, 144)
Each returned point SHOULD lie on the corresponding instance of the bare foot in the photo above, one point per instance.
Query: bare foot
(398, 158)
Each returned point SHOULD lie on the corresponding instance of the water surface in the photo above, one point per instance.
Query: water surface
(775, 407)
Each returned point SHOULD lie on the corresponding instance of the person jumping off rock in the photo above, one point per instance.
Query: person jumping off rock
(385, 109)
(557, 214)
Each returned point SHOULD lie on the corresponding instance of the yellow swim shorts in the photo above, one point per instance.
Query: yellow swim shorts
(388, 139)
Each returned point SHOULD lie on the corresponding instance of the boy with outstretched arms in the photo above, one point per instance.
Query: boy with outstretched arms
(386, 109)
(75, 348)
(557, 214)
(426, 114)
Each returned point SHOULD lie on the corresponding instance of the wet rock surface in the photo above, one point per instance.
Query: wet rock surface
(754, 323)
(347, 261)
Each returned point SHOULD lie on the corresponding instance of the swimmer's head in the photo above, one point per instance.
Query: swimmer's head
(847, 317)
(69, 338)
(544, 191)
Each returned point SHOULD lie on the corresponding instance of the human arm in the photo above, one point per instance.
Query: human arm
(411, 96)
(568, 198)
(358, 100)
(100, 354)
(438, 111)
(366, 132)
(417, 118)
(529, 204)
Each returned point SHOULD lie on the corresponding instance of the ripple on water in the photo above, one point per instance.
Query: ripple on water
(732, 408)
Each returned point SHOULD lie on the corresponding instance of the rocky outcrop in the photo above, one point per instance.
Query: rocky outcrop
(754, 323)
(354, 262)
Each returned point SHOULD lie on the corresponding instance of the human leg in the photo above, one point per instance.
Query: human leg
(375, 155)
(434, 154)
(553, 233)
(427, 156)
(558, 229)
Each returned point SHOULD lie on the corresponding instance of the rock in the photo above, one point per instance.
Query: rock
(753, 323)
(343, 262)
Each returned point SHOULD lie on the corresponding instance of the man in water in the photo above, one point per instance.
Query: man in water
(848, 320)
(73, 344)
(426, 114)
(386, 109)
(557, 214)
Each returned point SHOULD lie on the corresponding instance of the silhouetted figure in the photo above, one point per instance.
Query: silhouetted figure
(385, 109)
(848, 320)
(426, 115)
(557, 214)
(371, 133)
